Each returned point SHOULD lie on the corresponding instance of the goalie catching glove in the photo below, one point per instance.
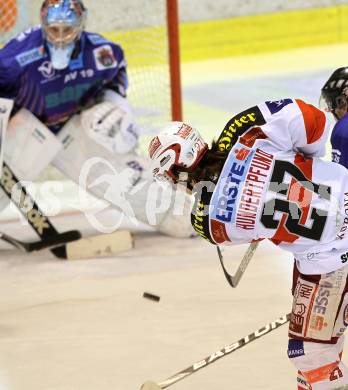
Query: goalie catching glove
(111, 127)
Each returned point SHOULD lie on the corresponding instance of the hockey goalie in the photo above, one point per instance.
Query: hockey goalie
(68, 91)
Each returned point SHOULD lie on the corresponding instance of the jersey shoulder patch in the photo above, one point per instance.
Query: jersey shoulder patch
(28, 34)
(26, 48)
(277, 105)
(104, 57)
(30, 56)
(96, 39)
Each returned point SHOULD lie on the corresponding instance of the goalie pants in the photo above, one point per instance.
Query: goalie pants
(318, 320)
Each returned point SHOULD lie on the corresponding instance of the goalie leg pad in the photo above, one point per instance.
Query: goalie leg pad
(123, 181)
(5, 111)
(26, 139)
(167, 210)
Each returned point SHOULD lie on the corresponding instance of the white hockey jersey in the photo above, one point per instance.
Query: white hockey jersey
(274, 185)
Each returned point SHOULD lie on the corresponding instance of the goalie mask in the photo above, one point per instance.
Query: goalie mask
(334, 94)
(177, 148)
(62, 25)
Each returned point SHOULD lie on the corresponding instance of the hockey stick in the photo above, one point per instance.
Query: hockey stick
(30, 210)
(151, 385)
(49, 242)
(233, 280)
(96, 246)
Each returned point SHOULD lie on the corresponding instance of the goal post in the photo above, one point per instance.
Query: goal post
(174, 58)
(148, 32)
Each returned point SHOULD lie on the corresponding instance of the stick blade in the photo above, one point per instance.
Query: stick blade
(102, 245)
(54, 241)
(150, 385)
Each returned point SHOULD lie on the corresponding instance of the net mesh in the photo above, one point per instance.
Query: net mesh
(140, 27)
(15, 17)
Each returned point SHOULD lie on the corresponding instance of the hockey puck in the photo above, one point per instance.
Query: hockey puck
(152, 297)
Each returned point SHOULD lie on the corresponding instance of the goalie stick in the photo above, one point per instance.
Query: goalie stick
(233, 280)
(29, 209)
(97, 246)
(50, 242)
(151, 385)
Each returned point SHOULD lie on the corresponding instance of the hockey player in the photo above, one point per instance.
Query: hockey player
(69, 88)
(334, 98)
(263, 178)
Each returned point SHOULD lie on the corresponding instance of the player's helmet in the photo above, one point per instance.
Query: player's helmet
(62, 24)
(334, 94)
(178, 147)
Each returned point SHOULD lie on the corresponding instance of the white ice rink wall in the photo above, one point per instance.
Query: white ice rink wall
(224, 28)
(195, 10)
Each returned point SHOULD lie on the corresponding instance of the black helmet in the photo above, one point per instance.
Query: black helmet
(334, 93)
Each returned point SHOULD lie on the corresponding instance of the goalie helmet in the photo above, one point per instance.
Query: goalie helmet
(177, 146)
(334, 94)
(62, 24)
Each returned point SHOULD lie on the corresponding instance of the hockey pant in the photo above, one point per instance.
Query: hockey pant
(318, 320)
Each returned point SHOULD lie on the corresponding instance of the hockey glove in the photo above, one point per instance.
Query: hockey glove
(111, 127)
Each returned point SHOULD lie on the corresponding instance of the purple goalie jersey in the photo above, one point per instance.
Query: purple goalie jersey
(28, 77)
(339, 142)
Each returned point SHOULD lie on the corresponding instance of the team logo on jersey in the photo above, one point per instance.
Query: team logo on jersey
(47, 69)
(30, 56)
(278, 105)
(241, 154)
(218, 231)
(250, 136)
(104, 57)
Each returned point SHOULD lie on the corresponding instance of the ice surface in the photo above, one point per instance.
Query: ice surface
(85, 325)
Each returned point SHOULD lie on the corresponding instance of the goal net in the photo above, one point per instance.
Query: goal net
(146, 30)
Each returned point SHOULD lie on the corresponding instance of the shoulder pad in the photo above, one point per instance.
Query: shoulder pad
(26, 48)
(27, 33)
(96, 39)
(31, 55)
(277, 105)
